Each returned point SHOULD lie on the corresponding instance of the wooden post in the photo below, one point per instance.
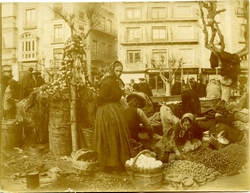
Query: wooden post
(88, 60)
(73, 119)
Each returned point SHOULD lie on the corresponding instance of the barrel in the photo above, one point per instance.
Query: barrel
(11, 134)
(32, 180)
(60, 142)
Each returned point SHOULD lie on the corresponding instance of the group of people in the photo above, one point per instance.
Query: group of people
(116, 126)
(143, 86)
(13, 91)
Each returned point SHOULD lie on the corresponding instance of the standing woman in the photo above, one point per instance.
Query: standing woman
(112, 140)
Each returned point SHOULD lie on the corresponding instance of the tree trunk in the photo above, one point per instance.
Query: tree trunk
(168, 89)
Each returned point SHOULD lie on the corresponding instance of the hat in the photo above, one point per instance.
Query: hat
(30, 69)
(141, 98)
(36, 72)
(7, 70)
(141, 78)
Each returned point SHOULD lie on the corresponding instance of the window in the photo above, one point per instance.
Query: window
(28, 47)
(81, 28)
(133, 34)
(109, 26)
(30, 18)
(183, 11)
(81, 16)
(160, 57)
(134, 56)
(8, 40)
(158, 12)
(7, 9)
(57, 57)
(58, 33)
(58, 9)
(133, 13)
(242, 31)
(110, 50)
(102, 51)
(159, 33)
(102, 23)
(185, 32)
(187, 54)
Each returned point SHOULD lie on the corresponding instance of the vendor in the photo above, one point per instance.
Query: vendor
(135, 116)
(184, 136)
(10, 99)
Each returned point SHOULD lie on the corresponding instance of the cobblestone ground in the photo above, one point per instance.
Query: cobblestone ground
(16, 163)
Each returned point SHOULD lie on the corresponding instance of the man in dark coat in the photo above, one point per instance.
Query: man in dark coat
(190, 100)
(200, 87)
(144, 87)
(6, 76)
(176, 87)
(24, 83)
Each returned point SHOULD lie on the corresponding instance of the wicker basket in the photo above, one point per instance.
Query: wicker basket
(209, 103)
(144, 180)
(84, 161)
(240, 116)
(215, 142)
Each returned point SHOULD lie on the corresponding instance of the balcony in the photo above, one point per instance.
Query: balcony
(170, 39)
(98, 56)
(8, 22)
(106, 29)
(134, 66)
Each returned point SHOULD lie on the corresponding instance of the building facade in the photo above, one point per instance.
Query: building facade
(163, 31)
(34, 35)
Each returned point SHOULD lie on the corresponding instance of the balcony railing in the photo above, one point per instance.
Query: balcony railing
(106, 29)
(101, 56)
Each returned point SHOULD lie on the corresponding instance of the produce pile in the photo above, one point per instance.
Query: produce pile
(229, 160)
(184, 174)
(104, 182)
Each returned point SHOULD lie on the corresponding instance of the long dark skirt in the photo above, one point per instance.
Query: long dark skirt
(112, 139)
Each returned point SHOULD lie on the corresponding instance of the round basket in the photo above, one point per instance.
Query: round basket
(145, 179)
(216, 143)
(240, 116)
(84, 161)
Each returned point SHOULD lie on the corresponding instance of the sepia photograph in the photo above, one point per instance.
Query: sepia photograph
(124, 96)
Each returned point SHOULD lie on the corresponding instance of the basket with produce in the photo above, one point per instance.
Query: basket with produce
(218, 141)
(84, 161)
(146, 172)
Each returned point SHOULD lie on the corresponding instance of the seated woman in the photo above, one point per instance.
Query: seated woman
(135, 116)
(184, 136)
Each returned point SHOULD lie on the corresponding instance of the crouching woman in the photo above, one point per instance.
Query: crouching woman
(184, 136)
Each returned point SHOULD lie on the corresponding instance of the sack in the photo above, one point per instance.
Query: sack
(168, 119)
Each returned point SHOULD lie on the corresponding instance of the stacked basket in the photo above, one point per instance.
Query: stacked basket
(146, 172)
(84, 161)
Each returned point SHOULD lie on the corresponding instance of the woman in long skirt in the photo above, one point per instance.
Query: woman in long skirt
(112, 140)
